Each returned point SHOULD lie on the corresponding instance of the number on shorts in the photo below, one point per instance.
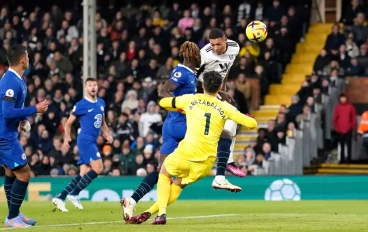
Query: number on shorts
(208, 121)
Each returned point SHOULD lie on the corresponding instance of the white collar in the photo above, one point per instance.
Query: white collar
(12, 70)
(90, 100)
(182, 65)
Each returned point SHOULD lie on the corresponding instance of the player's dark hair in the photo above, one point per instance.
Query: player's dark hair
(190, 52)
(90, 79)
(212, 81)
(15, 53)
(216, 33)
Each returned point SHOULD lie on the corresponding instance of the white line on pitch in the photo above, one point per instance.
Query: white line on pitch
(113, 222)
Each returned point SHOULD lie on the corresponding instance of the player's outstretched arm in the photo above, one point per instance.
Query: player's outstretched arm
(166, 103)
(176, 103)
(240, 118)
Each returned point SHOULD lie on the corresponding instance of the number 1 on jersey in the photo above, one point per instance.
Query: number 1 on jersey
(208, 121)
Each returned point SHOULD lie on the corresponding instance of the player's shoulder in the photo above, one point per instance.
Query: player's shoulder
(9, 78)
(81, 103)
(100, 100)
(182, 69)
(207, 48)
(227, 106)
(9, 84)
(232, 47)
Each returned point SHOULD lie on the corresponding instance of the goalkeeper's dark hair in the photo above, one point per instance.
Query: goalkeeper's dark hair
(190, 52)
(15, 54)
(216, 33)
(212, 82)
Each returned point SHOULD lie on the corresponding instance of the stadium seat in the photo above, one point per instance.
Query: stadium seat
(295, 74)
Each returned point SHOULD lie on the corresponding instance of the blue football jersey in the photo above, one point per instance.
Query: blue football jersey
(12, 88)
(90, 115)
(186, 83)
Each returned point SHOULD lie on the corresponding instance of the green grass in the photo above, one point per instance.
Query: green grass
(237, 216)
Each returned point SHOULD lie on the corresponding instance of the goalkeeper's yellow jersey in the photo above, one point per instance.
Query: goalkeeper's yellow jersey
(206, 116)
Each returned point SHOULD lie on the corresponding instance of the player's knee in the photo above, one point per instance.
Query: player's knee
(226, 134)
(98, 169)
(9, 172)
(23, 173)
(97, 166)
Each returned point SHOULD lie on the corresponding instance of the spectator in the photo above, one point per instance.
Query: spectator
(131, 101)
(344, 122)
(354, 69)
(149, 118)
(321, 62)
(363, 129)
(351, 12)
(275, 12)
(127, 160)
(360, 29)
(363, 56)
(185, 22)
(334, 40)
(351, 47)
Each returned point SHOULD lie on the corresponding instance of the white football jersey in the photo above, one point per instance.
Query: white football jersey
(220, 63)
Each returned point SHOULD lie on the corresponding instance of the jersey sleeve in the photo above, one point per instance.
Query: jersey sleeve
(178, 77)
(10, 90)
(236, 116)
(9, 94)
(176, 103)
(78, 109)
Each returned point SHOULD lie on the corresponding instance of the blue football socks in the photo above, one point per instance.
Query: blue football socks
(223, 152)
(147, 185)
(71, 186)
(84, 182)
(18, 192)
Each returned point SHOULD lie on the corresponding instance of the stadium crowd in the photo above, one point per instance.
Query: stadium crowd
(137, 48)
(344, 54)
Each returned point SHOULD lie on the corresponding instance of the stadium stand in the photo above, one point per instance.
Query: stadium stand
(137, 48)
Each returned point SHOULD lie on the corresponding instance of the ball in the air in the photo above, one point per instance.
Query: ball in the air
(256, 31)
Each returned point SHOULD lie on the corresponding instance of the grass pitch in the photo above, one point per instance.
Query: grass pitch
(205, 216)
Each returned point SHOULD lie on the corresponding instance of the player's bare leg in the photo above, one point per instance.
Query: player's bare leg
(15, 219)
(223, 152)
(95, 169)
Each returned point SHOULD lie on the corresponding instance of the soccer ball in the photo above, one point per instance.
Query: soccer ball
(283, 190)
(256, 31)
